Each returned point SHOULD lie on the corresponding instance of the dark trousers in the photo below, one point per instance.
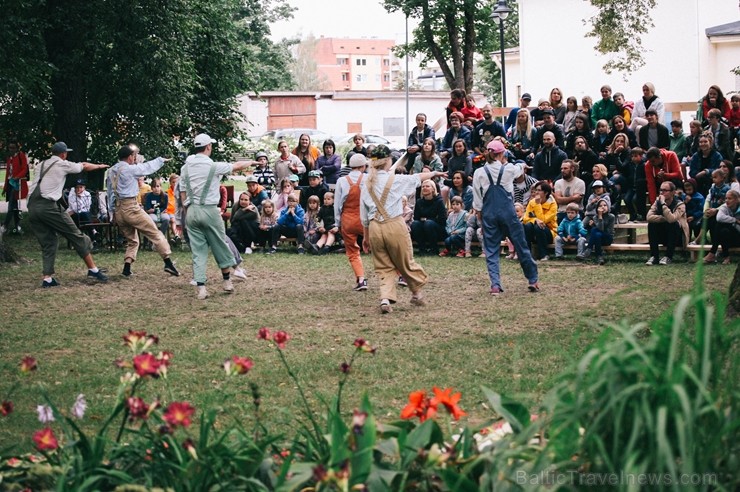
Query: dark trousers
(14, 211)
(725, 235)
(426, 233)
(455, 241)
(663, 233)
(269, 237)
(540, 235)
(598, 239)
(293, 231)
(640, 198)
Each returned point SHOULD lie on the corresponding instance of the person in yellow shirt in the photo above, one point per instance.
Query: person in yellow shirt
(171, 200)
(540, 219)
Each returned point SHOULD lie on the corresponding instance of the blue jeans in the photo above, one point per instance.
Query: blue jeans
(597, 239)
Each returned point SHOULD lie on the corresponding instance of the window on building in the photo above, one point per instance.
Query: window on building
(342, 61)
(361, 61)
(361, 77)
(345, 77)
(386, 77)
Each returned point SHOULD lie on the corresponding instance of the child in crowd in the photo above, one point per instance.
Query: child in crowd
(586, 104)
(474, 229)
(311, 224)
(155, 204)
(457, 224)
(290, 223)
(571, 231)
(408, 212)
(694, 202)
(327, 224)
(601, 228)
(519, 210)
(715, 198)
(678, 142)
(245, 221)
(691, 144)
(598, 192)
(269, 232)
(265, 176)
(281, 199)
(79, 203)
(601, 139)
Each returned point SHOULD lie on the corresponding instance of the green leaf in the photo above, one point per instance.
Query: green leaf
(516, 414)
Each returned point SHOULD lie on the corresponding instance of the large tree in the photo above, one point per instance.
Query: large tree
(99, 73)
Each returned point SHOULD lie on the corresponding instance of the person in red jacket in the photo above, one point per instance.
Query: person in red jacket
(16, 185)
(661, 166)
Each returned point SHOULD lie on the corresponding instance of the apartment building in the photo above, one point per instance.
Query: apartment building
(355, 64)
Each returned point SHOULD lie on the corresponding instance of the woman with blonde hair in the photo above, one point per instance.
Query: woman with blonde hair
(385, 232)
(522, 136)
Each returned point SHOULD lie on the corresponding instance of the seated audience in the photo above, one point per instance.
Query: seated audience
(667, 225)
(265, 176)
(694, 206)
(604, 108)
(548, 161)
(455, 227)
(661, 166)
(654, 133)
(269, 231)
(155, 204)
(326, 223)
(257, 192)
(727, 229)
(704, 162)
(571, 231)
(601, 230)
(430, 218)
(245, 222)
(290, 223)
(569, 189)
(540, 219)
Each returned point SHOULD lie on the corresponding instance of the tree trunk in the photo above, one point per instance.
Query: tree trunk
(733, 308)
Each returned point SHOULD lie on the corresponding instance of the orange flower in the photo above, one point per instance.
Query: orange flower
(446, 398)
(419, 406)
(179, 413)
(45, 440)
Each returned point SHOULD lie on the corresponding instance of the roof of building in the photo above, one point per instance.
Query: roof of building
(731, 29)
(359, 46)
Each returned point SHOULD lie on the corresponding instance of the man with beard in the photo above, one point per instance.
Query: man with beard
(569, 188)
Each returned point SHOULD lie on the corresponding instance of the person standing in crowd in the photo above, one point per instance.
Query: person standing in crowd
(287, 164)
(347, 215)
(123, 190)
(418, 134)
(493, 202)
(16, 186)
(200, 196)
(48, 219)
(385, 234)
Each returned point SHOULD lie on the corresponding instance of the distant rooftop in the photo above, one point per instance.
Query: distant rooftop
(731, 29)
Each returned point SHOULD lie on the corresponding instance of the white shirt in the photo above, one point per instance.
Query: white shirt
(54, 177)
(481, 182)
(79, 203)
(196, 169)
(402, 185)
(566, 189)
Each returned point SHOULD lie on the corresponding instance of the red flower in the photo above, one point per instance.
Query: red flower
(242, 364)
(419, 406)
(263, 334)
(28, 364)
(6, 408)
(363, 345)
(281, 338)
(137, 408)
(189, 446)
(360, 342)
(147, 365)
(45, 440)
(135, 338)
(446, 398)
(179, 413)
(344, 367)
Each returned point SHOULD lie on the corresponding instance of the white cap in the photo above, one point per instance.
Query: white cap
(203, 139)
(357, 160)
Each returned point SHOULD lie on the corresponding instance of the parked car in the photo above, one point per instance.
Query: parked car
(370, 138)
(317, 136)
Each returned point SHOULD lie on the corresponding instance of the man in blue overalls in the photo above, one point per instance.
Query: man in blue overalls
(493, 202)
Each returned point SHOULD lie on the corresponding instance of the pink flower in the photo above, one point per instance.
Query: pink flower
(179, 413)
(46, 414)
(28, 364)
(263, 334)
(281, 338)
(237, 365)
(45, 440)
(358, 421)
(78, 410)
(147, 365)
(137, 408)
(6, 408)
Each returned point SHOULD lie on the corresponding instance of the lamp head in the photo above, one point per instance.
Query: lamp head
(501, 11)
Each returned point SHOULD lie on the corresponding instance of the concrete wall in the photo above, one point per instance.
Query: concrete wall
(556, 53)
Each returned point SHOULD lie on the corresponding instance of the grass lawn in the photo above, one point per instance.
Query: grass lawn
(516, 344)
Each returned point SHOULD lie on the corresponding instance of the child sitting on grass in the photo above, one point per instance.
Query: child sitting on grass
(456, 226)
(571, 231)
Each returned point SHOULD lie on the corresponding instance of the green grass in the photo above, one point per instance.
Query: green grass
(516, 344)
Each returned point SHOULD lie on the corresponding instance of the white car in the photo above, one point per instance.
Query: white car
(317, 136)
(370, 139)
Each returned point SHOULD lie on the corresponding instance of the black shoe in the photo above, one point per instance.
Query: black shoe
(171, 270)
(301, 250)
(53, 283)
(99, 276)
(361, 286)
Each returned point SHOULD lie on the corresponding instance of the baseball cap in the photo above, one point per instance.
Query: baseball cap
(548, 111)
(203, 139)
(527, 96)
(294, 178)
(314, 174)
(496, 146)
(381, 152)
(80, 182)
(596, 183)
(260, 154)
(357, 160)
(60, 148)
(251, 179)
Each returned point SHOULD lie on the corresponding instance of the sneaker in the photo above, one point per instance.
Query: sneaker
(482, 255)
(52, 283)
(545, 258)
(201, 291)
(580, 257)
(496, 290)
(418, 299)
(301, 250)
(559, 257)
(460, 254)
(710, 258)
(228, 286)
(535, 287)
(99, 275)
(193, 282)
(385, 306)
(18, 230)
(651, 261)
(468, 254)
(445, 252)
(127, 273)
(361, 286)
(665, 261)
(272, 251)
(601, 260)
(239, 273)
(402, 281)
(248, 251)
(171, 270)
(693, 243)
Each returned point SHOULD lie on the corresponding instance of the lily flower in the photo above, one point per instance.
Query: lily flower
(45, 440)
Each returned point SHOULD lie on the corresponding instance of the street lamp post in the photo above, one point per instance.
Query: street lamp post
(500, 13)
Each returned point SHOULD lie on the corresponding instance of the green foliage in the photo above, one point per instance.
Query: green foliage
(617, 27)
(99, 74)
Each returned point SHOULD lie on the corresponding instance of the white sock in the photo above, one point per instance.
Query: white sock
(94, 270)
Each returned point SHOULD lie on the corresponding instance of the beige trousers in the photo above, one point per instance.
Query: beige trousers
(390, 245)
(130, 218)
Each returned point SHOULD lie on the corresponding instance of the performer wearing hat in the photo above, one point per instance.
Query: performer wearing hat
(385, 232)
(347, 215)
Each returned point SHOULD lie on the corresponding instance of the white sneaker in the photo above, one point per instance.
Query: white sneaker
(665, 261)
(202, 292)
(651, 261)
(193, 282)
(228, 286)
(3, 230)
(248, 251)
(239, 273)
